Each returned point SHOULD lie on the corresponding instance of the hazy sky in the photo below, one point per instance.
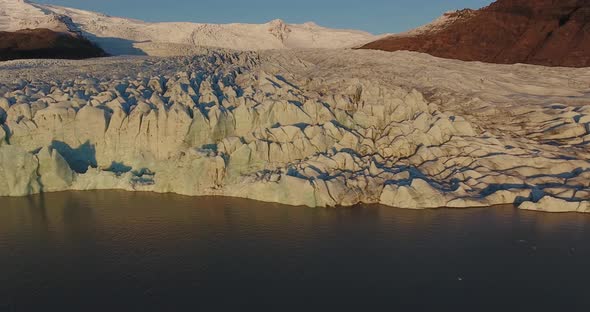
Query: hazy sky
(376, 16)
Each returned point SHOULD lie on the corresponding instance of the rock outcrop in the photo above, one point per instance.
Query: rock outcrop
(544, 32)
(45, 43)
(297, 128)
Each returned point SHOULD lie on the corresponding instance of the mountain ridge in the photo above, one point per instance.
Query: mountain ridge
(120, 36)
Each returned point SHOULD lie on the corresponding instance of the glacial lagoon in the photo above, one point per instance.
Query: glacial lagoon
(114, 250)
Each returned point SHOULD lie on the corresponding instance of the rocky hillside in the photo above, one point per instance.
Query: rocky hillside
(543, 32)
(45, 43)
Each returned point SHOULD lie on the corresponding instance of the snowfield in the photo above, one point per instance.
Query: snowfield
(123, 36)
(300, 127)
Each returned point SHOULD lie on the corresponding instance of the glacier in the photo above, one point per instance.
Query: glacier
(319, 128)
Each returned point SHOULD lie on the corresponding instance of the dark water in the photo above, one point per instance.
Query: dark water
(113, 251)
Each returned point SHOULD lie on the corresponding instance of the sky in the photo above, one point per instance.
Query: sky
(375, 16)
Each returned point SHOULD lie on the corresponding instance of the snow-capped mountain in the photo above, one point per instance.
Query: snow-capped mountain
(128, 36)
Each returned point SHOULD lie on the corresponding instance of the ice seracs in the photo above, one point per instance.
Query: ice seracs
(312, 127)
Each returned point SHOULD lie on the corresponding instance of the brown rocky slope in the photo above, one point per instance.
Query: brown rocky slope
(45, 43)
(542, 32)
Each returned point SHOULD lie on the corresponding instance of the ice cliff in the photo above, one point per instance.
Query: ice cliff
(299, 128)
